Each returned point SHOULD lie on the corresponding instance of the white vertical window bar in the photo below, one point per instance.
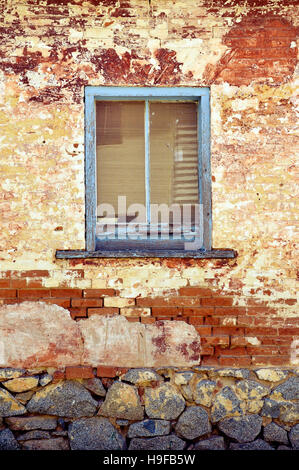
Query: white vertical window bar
(147, 161)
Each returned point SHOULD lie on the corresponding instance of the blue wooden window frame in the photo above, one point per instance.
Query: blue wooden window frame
(202, 96)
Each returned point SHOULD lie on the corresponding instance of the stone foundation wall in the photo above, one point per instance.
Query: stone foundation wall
(199, 408)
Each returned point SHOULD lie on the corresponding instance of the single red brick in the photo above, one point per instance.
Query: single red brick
(235, 361)
(103, 311)
(209, 361)
(198, 311)
(206, 350)
(35, 273)
(261, 331)
(231, 351)
(217, 302)
(195, 291)
(195, 320)
(243, 320)
(217, 340)
(34, 284)
(271, 360)
(203, 330)
(166, 311)
(262, 350)
(110, 372)
(228, 330)
(168, 301)
(8, 293)
(289, 301)
(239, 341)
(230, 311)
(78, 312)
(5, 283)
(18, 283)
(58, 375)
(65, 303)
(60, 292)
(264, 322)
(260, 311)
(211, 321)
(284, 350)
(268, 340)
(148, 320)
(292, 331)
(94, 293)
(79, 372)
(87, 302)
(33, 293)
(133, 319)
(292, 321)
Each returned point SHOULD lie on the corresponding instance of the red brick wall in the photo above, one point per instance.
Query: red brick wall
(230, 335)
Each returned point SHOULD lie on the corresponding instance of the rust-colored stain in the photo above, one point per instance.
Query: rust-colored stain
(259, 49)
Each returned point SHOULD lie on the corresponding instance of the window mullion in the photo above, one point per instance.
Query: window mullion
(147, 161)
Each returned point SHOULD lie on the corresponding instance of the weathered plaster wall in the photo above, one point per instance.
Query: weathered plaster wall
(245, 309)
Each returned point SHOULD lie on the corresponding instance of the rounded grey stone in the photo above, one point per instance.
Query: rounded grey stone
(95, 434)
(10, 373)
(289, 412)
(289, 389)
(149, 428)
(193, 423)
(95, 386)
(171, 442)
(184, 377)
(203, 393)
(259, 444)
(122, 401)
(138, 376)
(294, 437)
(282, 447)
(45, 379)
(34, 435)
(251, 390)
(69, 399)
(213, 443)
(275, 433)
(57, 443)
(27, 423)
(271, 408)
(9, 406)
(163, 402)
(242, 429)
(238, 373)
(271, 375)
(225, 403)
(8, 441)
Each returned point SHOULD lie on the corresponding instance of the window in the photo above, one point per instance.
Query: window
(147, 173)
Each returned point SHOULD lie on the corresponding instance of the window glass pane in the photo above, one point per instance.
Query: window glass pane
(173, 153)
(120, 153)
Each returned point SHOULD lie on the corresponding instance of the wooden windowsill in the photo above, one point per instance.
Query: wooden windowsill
(142, 253)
